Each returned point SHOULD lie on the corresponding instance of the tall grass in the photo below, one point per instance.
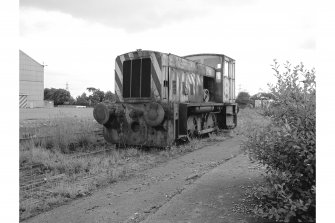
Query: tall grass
(65, 135)
(84, 174)
(249, 120)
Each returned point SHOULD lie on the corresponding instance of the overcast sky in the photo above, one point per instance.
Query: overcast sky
(79, 39)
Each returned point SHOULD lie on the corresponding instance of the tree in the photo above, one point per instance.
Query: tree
(82, 100)
(72, 101)
(48, 93)
(243, 98)
(59, 96)
(109, 96)
(97, 97)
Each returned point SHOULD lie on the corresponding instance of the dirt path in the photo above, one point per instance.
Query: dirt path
(218, 196)
(148, 195)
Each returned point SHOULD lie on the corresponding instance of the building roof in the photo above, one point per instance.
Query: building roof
(31, 58)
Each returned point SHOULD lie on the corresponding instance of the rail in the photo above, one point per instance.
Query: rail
(34, 137)
(36, 179)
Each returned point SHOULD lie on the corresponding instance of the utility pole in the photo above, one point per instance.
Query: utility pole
(67, 86)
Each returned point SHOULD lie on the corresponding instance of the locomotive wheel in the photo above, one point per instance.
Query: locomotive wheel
(211, 121)
(191, 127)
(189, 136)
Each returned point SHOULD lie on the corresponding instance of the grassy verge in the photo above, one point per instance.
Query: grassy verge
(249, 121)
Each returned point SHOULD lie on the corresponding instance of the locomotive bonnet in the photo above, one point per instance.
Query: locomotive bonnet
(163, 97)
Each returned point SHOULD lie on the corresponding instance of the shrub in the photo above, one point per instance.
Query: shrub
(243, 99)
(287, 148)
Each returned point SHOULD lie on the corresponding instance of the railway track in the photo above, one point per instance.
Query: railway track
(36, 180)
(97, 132)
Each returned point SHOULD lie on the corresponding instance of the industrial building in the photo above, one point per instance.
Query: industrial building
(31, 82)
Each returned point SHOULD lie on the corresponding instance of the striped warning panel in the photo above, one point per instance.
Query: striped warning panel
(23, 101)
(156, 72)
(191, 82)
(119, 77)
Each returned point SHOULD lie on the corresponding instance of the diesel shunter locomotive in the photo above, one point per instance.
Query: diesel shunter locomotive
(162, 98)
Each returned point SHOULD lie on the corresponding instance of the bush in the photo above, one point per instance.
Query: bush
(243, 99)
(287, 148)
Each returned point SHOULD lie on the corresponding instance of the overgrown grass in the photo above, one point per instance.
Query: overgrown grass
(249, 120)
(84, 174)
(54, 143)
(65, 135)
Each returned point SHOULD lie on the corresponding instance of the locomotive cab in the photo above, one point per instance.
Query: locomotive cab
(224, 85)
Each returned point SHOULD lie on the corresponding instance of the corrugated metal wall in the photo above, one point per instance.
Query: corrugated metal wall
(31, 81)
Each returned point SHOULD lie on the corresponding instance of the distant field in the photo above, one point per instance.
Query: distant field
(44, 121)
(52, 113)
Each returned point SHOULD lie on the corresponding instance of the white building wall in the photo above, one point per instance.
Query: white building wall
(31, 81)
